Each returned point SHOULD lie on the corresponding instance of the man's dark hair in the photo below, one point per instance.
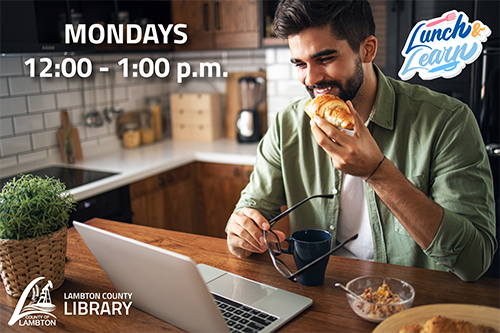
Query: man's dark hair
(349, 20)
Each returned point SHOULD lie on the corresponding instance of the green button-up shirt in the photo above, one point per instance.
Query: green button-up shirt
(431, 138)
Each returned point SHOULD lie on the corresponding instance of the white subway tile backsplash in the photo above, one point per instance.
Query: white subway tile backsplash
(278, 72)
(283, 55)
(271, 88)
(120, 94)
(54, 153)
(101, 96)
(133, 93)
(8, 162)
(96, 80)
(69, 99)
(24, 85)
(10, 66)
(26, 124)
(52, 119)
(75, 83)
(95, 132)
(45, 139)
(50, 84)
(15, 145)
(153, 89)
(291, 88)
(4, 87)
(77, 116)
(12, 106)
(41, 102)
(275, 104)
(6, 127)
(90, 145)
(270, 56)
(35, 156)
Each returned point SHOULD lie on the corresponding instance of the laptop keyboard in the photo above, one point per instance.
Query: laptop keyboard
(241, 318)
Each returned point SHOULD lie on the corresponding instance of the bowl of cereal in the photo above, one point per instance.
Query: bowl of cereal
(379, 297)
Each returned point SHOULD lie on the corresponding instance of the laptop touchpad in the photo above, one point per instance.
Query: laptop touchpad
(239, 288)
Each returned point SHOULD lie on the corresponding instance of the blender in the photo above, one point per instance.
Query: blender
(252, 94)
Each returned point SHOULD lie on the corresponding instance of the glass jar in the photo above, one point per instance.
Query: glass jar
(147, 132)
(131, 135)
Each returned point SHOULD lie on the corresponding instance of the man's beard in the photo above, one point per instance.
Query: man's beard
(347, 92)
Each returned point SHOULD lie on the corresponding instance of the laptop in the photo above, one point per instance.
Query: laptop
(195, 298)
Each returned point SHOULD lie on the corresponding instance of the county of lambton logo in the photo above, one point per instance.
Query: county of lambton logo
(38, 311)
(442, 47)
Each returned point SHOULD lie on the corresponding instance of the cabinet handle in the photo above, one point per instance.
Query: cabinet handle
(236, 172)
(217, 21)
(248, 173)
(205, 16)
(161, 182)
(170, 178)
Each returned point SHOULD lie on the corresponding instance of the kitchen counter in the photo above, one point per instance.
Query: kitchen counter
(136, 164)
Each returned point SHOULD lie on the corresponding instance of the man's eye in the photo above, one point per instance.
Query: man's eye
(299, 64)
(326, 59)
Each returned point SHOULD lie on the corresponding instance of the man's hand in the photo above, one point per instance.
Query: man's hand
(244, 235)
(358, 155)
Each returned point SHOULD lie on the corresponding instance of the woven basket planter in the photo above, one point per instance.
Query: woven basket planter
(24, 260)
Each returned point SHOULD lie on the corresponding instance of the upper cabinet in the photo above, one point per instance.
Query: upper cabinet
(268, 36)
(218, 25)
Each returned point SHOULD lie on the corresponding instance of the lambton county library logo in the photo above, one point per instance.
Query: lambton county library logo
(38, 311)
(443, 46)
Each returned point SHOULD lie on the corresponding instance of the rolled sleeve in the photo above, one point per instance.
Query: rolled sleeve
(462, 247)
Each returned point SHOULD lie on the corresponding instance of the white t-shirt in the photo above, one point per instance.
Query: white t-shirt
(353, 218)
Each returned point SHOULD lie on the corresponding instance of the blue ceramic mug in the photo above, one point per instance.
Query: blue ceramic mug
(307, 245)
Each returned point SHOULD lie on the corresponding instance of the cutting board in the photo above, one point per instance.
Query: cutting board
(73, 137)
(233, 103)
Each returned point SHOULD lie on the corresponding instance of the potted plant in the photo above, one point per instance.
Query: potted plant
(34, 215)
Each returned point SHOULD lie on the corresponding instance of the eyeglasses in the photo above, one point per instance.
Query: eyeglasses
(274, 247)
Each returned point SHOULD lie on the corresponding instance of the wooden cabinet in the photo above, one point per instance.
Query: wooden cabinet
(196, 198)
(216, 25)
(219, 188)
(200, 24)
(166, 200)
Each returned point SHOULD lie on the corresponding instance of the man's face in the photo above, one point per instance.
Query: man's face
(325, 64)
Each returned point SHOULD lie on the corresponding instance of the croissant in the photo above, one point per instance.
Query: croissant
(332, 109)
(438, 324)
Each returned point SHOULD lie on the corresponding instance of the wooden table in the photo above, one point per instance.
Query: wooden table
(330, 311)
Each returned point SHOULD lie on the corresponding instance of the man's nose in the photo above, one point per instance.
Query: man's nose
(314, 74)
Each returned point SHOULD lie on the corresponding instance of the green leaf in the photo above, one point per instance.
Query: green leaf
(31, 206)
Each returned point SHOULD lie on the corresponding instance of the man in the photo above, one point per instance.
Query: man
(414, 181)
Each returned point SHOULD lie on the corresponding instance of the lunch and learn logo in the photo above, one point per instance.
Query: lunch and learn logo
(443, 46)
(38, 311)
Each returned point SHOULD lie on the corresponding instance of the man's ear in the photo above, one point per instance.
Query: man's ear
(368, 49)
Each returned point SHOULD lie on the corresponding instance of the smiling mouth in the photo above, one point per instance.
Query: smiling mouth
(322, 91)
